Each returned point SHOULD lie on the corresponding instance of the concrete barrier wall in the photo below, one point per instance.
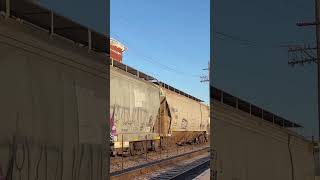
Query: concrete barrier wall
(248, 148)
(53, 107)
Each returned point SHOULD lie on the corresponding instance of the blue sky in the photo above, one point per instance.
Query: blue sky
(166, 39)
(259, 73)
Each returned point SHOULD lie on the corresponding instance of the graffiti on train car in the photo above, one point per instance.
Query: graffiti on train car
(138, 119)
(184, 124)
(113, 130)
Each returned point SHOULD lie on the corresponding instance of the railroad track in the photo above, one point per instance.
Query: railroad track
(119, 163)
(176, 167)
(185, 172)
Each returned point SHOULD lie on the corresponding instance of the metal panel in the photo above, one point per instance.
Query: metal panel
(134, 106)
(242, 105)
(187, 114)
(248, 148)
(40, 107)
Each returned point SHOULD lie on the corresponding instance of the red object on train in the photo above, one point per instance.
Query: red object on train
(116, 50)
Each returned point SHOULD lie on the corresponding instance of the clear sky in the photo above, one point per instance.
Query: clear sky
(168, 39)
(258, 71)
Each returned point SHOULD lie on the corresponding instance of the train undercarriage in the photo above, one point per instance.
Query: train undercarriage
(141, 147)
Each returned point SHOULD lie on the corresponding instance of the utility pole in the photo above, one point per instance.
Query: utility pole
(206, 78)
(213, 154)
(317, 6)
(213, 166)
(302, 55)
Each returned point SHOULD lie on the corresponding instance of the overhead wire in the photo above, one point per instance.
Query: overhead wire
(231, 37)
(222, 35)
(257, 44)
(154, 61)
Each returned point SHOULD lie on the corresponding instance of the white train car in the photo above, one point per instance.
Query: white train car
(251, 143)
(189, 118)
(146, 113)
(53, 105)
(134, 109)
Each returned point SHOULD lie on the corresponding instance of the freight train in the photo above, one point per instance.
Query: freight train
(53, 105)
(146, 114)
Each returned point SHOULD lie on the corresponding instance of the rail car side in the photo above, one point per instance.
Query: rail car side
(134, 108)
(143, 115)
(189, 119)
(53, 105)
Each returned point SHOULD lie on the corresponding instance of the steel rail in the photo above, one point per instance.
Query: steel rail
(124, 172)
(185, 172)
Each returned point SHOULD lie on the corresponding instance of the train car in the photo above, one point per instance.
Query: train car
(145, 114)
(53, 103)
(134, 109)
(189, 119)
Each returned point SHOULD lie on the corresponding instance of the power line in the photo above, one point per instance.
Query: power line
(229, 36)
(205, 78)
(156, 61)
(224, 36)
(310, 54)
(151, 59)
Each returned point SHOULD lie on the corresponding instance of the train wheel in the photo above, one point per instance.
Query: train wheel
(144, 146)
(162, 143)
(156, 145)
(131, 149)
(139, 147)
